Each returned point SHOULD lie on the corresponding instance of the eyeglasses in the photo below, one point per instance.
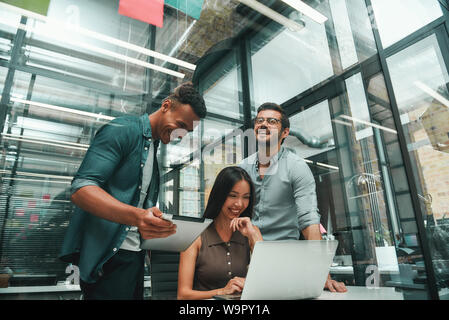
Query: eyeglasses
(270, 121)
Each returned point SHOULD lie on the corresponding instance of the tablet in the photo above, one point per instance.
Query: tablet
(187, 230)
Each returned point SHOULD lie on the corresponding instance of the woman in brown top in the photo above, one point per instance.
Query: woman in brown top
(217, 262)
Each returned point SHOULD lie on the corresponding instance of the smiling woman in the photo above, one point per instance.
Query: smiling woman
(216, 263)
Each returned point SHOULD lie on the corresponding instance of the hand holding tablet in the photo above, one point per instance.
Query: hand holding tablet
(187, 230)
(152, 225)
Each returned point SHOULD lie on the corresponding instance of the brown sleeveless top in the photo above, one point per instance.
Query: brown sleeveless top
(219, 261)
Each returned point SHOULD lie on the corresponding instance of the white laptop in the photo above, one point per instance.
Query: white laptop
(287, 270)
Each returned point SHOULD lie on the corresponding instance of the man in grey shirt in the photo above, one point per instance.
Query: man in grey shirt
(286, 201)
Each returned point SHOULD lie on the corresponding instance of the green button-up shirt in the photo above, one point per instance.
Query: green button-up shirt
(113, 162)
(285, 198)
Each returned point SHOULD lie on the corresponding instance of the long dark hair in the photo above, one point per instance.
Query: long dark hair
(223, 185)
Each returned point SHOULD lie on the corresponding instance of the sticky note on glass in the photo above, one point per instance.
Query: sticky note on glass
(37, 6)
(190, 7)
(148, 11)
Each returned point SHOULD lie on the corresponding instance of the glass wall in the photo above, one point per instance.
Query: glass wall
(371, 123)
(350, 138)
(419, 76)
(414, 14)
(57, 90)
(286, 63)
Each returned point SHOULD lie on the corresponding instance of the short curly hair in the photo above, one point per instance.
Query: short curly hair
(187, 94)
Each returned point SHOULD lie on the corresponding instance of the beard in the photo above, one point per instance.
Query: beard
(267, 143)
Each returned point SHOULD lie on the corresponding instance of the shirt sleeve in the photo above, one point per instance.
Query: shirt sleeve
(109, 146)
(304, 193)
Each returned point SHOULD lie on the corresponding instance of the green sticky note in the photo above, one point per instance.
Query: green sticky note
(37, 6)
(190, 7)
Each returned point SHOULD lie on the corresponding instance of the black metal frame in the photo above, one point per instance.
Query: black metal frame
(419, 218)
(335, 86)
(328, 89)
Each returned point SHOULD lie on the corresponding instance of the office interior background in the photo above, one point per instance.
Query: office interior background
(366, 92)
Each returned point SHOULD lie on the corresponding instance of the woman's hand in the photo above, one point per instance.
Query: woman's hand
(246, 228)
(234, 285)
(243, 225)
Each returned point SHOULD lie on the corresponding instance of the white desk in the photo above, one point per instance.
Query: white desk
(362, 293)
(69, 291)
(350, 270)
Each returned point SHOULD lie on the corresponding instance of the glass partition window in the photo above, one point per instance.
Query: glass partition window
(290, 62)
(412, 14)
(62, 85)
(223, 96)
(311, 131)
(190, 191)
(286, 63)
(350, 144)
(222, 148)
(3, 72)
(420, 82)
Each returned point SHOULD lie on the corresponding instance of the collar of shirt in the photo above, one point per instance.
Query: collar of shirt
(215, 239)
(146, 129)
(273, 161)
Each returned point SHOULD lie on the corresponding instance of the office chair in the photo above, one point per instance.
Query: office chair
(164, 274)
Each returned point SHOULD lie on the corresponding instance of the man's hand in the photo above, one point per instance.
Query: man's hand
(334, 286)
(152, 226)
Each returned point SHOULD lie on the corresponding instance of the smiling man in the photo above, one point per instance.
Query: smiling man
(286, 203)
(115, 192)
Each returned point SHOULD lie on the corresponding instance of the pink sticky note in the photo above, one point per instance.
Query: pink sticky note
(149, 11)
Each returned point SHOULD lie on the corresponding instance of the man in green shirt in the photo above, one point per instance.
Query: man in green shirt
(115, 192)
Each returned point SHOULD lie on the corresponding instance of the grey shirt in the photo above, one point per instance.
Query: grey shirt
(132, 240)
(285, 198)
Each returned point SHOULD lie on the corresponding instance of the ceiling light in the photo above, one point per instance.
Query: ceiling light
(99, 36)
(39, 175)
(320, 164)
(270, 13)
(103, 51)
(62, 109)
(432, 93)
(369, 124)
(306, 10)
(327, 166)
(348, 124)
(35, 180)
(54, 143)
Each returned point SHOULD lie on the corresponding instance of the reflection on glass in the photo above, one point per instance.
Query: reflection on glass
(3, 72)
(311, 131)
(223, 96)
(370, 213)
(343, 33)
(223, 148)
(55, 102)
(413, 14)
(290, 62)
(287, 63)
(189, 191)
(420, 80)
